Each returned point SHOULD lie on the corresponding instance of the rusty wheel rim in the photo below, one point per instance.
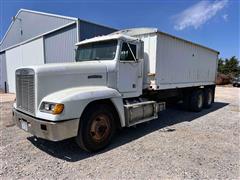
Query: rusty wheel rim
(100, 128)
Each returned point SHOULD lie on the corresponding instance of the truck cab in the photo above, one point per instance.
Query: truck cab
(88, 99)
(123, 58)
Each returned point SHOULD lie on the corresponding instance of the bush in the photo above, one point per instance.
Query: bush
(227, 70)
(223, 79)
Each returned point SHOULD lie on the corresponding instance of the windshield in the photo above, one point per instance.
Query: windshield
(104, 50)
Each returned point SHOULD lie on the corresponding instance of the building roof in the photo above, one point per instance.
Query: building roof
(34, 12)
(48, 14)
(53, 23)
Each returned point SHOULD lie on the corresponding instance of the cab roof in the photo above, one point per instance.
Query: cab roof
(108, 37)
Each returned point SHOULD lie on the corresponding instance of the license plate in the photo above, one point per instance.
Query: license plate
(24, 125)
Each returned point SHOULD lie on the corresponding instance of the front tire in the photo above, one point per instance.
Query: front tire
(97, 127)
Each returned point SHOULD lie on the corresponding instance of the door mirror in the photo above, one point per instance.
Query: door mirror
(140, 50)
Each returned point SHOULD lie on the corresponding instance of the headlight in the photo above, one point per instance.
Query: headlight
(53, 108)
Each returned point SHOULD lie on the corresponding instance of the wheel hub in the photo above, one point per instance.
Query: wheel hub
(100, 128)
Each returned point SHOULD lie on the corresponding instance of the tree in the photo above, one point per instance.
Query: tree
(232, 67)
(229, 66)
(221, 65)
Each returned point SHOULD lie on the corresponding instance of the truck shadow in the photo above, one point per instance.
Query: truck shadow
(68, 150)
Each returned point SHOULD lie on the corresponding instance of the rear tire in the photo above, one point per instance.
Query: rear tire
(186, 101)
(97, 127)
(196, 100)
(208, 98)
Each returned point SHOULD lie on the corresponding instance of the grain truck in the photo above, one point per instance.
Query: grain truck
(118, 80)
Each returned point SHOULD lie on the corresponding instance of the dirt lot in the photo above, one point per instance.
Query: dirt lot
(177, 145)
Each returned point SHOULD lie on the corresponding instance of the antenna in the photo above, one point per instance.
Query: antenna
(14, 18)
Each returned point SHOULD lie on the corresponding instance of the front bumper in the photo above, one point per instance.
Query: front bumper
(54, 131)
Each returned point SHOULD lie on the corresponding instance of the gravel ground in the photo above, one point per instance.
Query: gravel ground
(178, 145)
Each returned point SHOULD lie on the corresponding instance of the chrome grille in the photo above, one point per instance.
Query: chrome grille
(25, 92)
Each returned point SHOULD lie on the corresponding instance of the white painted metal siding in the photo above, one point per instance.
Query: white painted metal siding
(181, 64)
(14, 60)
(27, 54)
(3, 73)
(32, 53)
(177, 63)
(60, 45)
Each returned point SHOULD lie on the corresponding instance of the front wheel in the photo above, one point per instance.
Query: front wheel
(97, 127)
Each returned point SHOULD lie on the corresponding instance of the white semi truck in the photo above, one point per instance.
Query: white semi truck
(118, 80)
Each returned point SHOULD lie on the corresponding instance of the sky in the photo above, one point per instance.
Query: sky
(212, 23)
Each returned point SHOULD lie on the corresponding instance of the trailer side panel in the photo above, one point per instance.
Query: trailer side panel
(182, 64)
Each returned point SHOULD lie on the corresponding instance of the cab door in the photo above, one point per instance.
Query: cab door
(129, 69)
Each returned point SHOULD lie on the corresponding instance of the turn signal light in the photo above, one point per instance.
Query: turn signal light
(58, 108)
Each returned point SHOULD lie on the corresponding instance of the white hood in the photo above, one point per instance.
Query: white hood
(69, 68)
(51, 78)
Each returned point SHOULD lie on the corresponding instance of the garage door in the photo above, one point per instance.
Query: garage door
(27, 54)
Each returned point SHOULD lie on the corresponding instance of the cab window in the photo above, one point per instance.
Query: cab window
(128, 52)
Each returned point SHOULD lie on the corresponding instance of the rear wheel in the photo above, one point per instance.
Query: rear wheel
(196, 100)
(97, 127)
(186, 101)
(208, 98)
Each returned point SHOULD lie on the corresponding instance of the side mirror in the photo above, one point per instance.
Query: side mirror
(140, 50)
